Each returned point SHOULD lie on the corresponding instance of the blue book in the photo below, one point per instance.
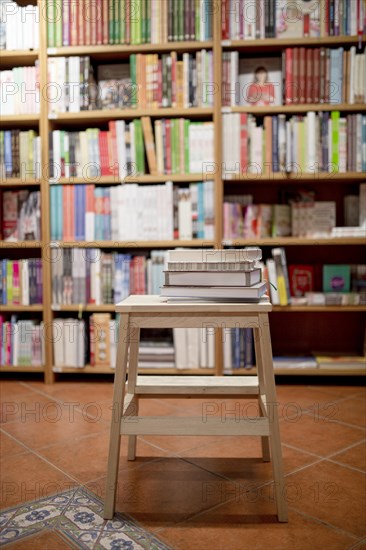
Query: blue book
(201, 211)
(336, 74)
(53, 200)
(126, 275)
(248, 350)
(7, 154)
(98, 199)
(82, 198)
(3, 276)
(275, 155)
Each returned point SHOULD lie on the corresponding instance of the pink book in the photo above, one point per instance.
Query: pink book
(66, 22)
(16, 283)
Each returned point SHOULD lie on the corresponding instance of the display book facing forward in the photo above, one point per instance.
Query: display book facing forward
(204, 274)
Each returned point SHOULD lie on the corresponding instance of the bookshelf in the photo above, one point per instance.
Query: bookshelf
(342, 249)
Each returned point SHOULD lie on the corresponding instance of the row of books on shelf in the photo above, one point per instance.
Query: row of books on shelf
(177, 146)
(321, 361)
(21, 282)
(132, 212)
(128, 22)
(325, 142)
(19, 26)
(304, 216)
(340, 284)
(20, 91)
(148, 80)
(301, 75)
(20, 154)
(20, 215)
(21, 342)
(92, 276)
(247, 20)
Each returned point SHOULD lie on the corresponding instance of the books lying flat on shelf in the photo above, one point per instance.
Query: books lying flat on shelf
(206, 255)
(211, 266)
(253, 292)
(341, 362)
(213, 278)
(284, 362)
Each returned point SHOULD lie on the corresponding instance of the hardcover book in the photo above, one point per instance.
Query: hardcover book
(336, 278)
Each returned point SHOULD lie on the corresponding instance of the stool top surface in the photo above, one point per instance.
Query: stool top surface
(155, 304)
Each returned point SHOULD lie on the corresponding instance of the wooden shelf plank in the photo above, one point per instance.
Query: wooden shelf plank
(11, 368)
(20, 244)
(134, 244)
(19, 55)
(292, 177)
(190, 45)
(320, 309)
(85, 307)
(20, 308)
(345, 107)
(295, 241)
(107, 370)
(301, 372)
(112, 114)
(280, 43)
(19, 119)
(146, 178)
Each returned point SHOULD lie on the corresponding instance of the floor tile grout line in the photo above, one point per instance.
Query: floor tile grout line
(357, 544)
(26, 449)
(348, 448)
(336, 421)
(346, 466)
(320, 456)
(329, 525)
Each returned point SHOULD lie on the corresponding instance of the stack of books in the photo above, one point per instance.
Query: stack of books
(214, 275)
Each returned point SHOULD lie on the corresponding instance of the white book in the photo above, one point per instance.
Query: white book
(121, 147)
(359, 143)
(352, 60)
(362, 203)
(203, 362)
(250, 10)
(180, 347)
(25, 282)
(311, 142)
(185, 215)
(70, 342)
(226, 333)
(193, 337)
(210, 349)
(15, 352)
(58, 342)
(80, 344)
(211, 255)
(272, 276)
(113, 342)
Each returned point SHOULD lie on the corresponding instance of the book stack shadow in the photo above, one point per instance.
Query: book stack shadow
(215, 275)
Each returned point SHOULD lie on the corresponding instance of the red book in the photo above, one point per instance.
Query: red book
(128, 21)
(243, 142)
(105, 22)
(225, 19)
(91, 338)
(295, 76)
(113, 167)
(93, 22)
(89, 199)
(174, 78)
(87, 22)
(74, 24)
(81, 22)
(302, 76)
(168, 147)
(322, 74)
(316, 75)
(301, 279)
(99, 22)
(103, 153)
(16, 283)
(309, 80)
(289, 77)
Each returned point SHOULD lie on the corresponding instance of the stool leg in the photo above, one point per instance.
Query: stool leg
(266, 455)
(131, 385)
(266, 360)
(118, 400)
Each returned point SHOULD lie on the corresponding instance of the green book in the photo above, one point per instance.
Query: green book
(51, 29)
(180, 20)
(139, 147)
(148, 21)
(116, 20)
(9, 281)
(336, 278)
(122, 21)
(335, 140)
(175, 20)
(111, 21)
(58, 23)
(143, 21)
(197, 18)
(133, 79)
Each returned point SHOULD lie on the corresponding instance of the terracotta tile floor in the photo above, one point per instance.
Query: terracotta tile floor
(195, 492)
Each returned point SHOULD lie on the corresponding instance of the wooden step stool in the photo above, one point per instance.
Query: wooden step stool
(152, 312)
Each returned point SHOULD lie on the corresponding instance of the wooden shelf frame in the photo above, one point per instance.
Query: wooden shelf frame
(46, 122)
